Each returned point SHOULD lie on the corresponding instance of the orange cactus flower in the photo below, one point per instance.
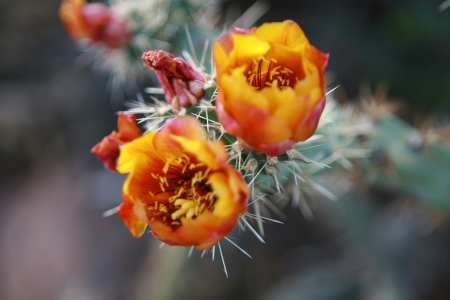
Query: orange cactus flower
(271, 86)
(108, 150)
(180, 185)
(94, 21)
(182, 85)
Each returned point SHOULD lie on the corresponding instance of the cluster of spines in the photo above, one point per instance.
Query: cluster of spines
(348, 139)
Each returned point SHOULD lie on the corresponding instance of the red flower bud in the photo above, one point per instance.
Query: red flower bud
(94, 21)
(182, 85)
(108, 150)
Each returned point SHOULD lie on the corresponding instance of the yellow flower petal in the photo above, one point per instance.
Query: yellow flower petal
(287, 33)
(131, 152)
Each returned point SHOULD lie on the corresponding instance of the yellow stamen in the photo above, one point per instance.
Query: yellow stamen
(262, 73)
(202, 207)
(192, 196)
(274, 72)
(167, 165)
(163, 208)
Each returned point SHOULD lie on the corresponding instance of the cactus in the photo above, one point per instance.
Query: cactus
(357, 148)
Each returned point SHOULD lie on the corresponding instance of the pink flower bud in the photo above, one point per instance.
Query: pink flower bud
(182, 85)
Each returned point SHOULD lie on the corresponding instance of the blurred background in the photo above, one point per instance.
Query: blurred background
(55, 244)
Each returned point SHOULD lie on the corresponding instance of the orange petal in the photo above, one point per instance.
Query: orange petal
(126, 213)
(258, 125)
(309, 124)
(95, 15)
(276, 149)
(141, 185)
(230, 201)
(320, 59)
(239, 90)
(220, 57)
(226, 40)
(128, 129)
(203, 232)
(286, 33)
(108, 151)
(231, 125)
(185, 126)
(70, 15)
(132, 152)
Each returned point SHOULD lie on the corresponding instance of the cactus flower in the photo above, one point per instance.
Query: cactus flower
(94, 21)
(181, 186)
(271, 86)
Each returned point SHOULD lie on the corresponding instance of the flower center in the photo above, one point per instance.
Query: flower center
(262, 73)
(192, 195)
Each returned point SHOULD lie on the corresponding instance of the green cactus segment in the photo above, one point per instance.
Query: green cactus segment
(426, 177)
(383, 152)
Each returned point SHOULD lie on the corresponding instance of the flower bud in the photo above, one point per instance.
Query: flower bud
(108, 150)
(182, 85)
(93, 21)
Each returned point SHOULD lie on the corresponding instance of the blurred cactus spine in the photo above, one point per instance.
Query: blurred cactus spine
(361, 145)
(364, 145)
(372, 147)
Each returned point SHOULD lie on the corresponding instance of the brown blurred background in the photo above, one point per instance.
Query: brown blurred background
(55, 244)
